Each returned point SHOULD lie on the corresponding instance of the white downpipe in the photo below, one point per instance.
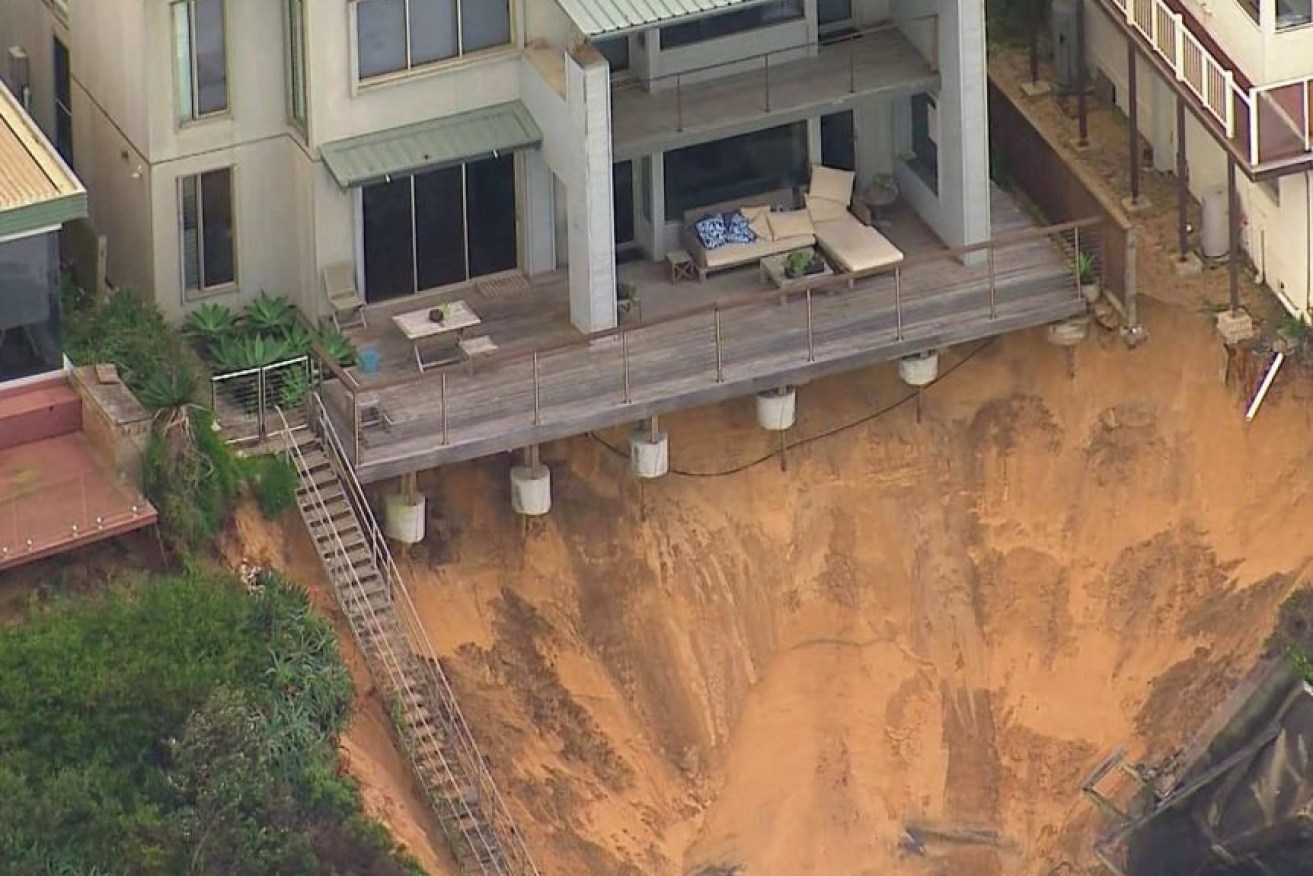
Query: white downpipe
(1263, 388)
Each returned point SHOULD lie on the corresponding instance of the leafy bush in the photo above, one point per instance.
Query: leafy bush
(180, 725)
(208, 325)
(272, 315)
(191, 477)
(338, 347)
(275, 485)
(123, 330)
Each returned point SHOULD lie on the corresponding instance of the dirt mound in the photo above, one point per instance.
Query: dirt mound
(945, 623)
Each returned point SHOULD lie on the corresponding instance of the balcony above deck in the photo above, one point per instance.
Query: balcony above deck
(690, 343)
(767, 90)
(1267, 129)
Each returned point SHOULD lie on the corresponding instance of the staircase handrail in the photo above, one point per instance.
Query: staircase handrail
(392, 664)
(500, 817)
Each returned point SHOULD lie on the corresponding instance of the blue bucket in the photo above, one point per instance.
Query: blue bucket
(369, 360)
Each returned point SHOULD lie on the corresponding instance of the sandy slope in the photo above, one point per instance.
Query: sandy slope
(946, 622)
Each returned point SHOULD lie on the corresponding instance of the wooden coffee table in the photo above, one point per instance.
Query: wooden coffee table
(418, 328)
(772, 274)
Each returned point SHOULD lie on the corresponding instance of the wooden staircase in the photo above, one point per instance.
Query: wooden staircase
(433, 733)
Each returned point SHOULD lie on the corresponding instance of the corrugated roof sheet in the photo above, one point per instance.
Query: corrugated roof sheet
(31, 171)
(600, 18)
(437, 143)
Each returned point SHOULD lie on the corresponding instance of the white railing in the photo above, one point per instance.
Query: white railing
(1203, 74)
(495, 813)
(1285, 104)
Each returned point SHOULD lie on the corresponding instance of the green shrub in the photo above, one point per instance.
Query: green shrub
(207, 325)
(275, 486)
(269, 315)
(338, 347)
(180, 725)
(125, 331)
(192, 478)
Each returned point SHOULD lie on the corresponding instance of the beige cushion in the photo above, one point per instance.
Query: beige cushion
(791, 223)
(758, 222)
(823, 209)
(831, 184)
(732, 254)
(854, 246)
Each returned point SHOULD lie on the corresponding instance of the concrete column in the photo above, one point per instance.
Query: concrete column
(1233, 219)
(962, 47)
(591, 209)
(1182, 180)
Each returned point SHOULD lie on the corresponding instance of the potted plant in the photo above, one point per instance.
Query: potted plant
(1087, 277)
(802, 262)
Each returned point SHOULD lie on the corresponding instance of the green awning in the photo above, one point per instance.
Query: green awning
(604, 18)
(443, 142)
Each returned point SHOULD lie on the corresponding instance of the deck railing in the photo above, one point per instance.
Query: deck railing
(1239, 112)
(921, 28)
(630, 355)
(77, 514)
(244, 402)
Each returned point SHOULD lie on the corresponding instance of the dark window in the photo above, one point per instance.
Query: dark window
(727, 23)
(439, 227)
(490, 215)
(209, 247)
(29, 308)
(202, 57)
(838, 141)
(834, 13)
(622, 195)
(63, 103)
(394, 35)
(925, 133)
(616, 52)
(737, 167)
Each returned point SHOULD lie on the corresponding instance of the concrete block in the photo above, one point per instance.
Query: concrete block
(1235, 327)
(1188, 265)
(1039, 88)
(1136, 205)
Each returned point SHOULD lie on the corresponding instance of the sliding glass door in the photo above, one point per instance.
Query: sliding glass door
(438, 227)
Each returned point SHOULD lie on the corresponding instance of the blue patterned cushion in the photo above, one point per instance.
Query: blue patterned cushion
(737, 229)
(711, 230)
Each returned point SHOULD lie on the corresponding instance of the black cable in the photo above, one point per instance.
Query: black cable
(811, 439)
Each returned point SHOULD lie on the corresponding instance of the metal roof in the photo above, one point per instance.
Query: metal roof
(603, 18)
(436, 143)
(37, 190)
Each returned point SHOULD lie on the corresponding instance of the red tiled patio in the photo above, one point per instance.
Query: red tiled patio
(56, 496)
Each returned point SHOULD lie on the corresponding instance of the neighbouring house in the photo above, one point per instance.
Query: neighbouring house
(1222, 97)
(66, 456)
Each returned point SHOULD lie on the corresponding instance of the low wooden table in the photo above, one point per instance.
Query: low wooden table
(418, 328)
(772, 274)
(681, 265)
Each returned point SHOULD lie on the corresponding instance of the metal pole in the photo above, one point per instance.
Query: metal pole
(1075, 237)
(811, 335)
(720, 369)
(259, 400)
(852, 66)
(1233, 217)
(1034, 42)
(445, 436)
(898, 303)
(1082, 79)
(1182, 181)
(355, 425)
(624, 357)
(1134, 128)
(537, 393)
(993, 286)
(767, 69)
(679, 103)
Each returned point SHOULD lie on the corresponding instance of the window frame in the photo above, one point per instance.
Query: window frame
(63, 112)
(294, 26)
(663, 33)
(410, 67)
(187, 111)
(190, 294)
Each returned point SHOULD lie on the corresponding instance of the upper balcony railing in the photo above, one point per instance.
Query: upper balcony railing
(1268, 123)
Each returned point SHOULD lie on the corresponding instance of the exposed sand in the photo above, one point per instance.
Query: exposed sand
(944, 623)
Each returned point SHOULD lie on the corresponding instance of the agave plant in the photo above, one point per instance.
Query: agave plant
(253, 351)
(168, 390)
(338, 347)
(298, 339)
(270, 315)
(207, 325)
(292, 387)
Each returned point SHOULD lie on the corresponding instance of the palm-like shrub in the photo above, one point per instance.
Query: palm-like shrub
(270, 315)
(207, 325)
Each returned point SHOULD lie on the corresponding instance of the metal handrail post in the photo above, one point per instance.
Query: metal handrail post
(624, 359)
(259, 400)
(993, 287)
(1075, 235)
(445, 436)
(766, 67)
(811, 335)
(898, 303)
(537, 392)
(852, 66)
(720, 366)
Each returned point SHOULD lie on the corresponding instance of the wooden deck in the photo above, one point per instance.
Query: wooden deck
(880, 62)
(669, 359)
